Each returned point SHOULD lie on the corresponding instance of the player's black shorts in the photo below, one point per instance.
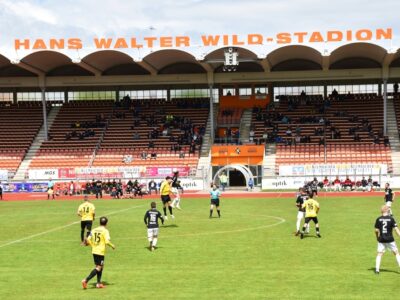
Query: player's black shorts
(86, 224)
(165, 198)
(314, 192)
(215, 202)
(98, 259)
(314, 219)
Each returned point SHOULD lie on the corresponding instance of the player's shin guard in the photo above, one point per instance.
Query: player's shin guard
(165, 211)
(99, 273)
(91, 275)
(211, 212)
(219, 213)
(154, 242)
(82, 235)
(178, 202)
(378, 263)
(170, 210)
(298, 224)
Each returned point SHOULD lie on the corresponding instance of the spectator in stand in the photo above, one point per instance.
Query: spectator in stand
(251, 135)
(337, 134)
(288, 131)
(321, 141)
(335, 94)
(377, 140)
(153, 155)
(229, 134)
(396, 88)
(143, 155)
(151, 144)
(386, 141)
(136, 135)
(356, 137)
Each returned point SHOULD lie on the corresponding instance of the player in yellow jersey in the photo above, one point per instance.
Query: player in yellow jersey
(312, 208)
(87, 212)
(165, 191)
(98, 239)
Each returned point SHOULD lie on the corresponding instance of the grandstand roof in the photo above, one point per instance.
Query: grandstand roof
(172, 62)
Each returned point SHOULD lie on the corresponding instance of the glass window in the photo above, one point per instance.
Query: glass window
(7, 97)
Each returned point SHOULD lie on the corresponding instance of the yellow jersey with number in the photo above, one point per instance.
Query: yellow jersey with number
(99, 238)
(311, 207)
(165, 188)
(86, 211)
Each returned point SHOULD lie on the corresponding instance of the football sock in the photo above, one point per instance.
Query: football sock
(91, 275)
(304, 228)
(87, 234)
(99, 273)
(378, 262)
(398, 259)
(165, 211)
(154, 242)
(170, 210)
(82, 234)
(219, 212)
(211, 212)
(298, 224)
(317, 230)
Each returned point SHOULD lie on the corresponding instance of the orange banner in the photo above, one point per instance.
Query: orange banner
(243, 154)
(243, 101)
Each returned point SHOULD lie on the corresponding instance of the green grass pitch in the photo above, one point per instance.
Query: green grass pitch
(250, 253)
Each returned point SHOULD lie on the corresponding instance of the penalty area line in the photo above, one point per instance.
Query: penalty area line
(63, 227)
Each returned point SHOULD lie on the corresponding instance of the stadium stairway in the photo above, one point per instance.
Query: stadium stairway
(37, 142)
(269, 163)
(206, 146)
(245, 124)
(393, 133)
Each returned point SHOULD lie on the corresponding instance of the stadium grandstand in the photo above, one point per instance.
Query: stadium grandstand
(110, 113)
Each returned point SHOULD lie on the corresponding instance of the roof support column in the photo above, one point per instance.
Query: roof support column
(210, 80)
(42, 85)
(384, 106)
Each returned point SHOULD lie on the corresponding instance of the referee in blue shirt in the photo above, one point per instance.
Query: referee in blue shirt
(215, 193)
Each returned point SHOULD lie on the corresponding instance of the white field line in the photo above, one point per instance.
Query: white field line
(280, 221)
(63, 227)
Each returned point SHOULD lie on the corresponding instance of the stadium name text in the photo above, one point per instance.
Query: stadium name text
(208, 40)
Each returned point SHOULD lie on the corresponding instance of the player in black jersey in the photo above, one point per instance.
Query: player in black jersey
(301, 198)
(175, 187)
(151, 220)
(314, 186)
(384, 226)
(389, 197)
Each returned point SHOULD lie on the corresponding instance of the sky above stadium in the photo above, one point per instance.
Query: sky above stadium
(87, 19)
